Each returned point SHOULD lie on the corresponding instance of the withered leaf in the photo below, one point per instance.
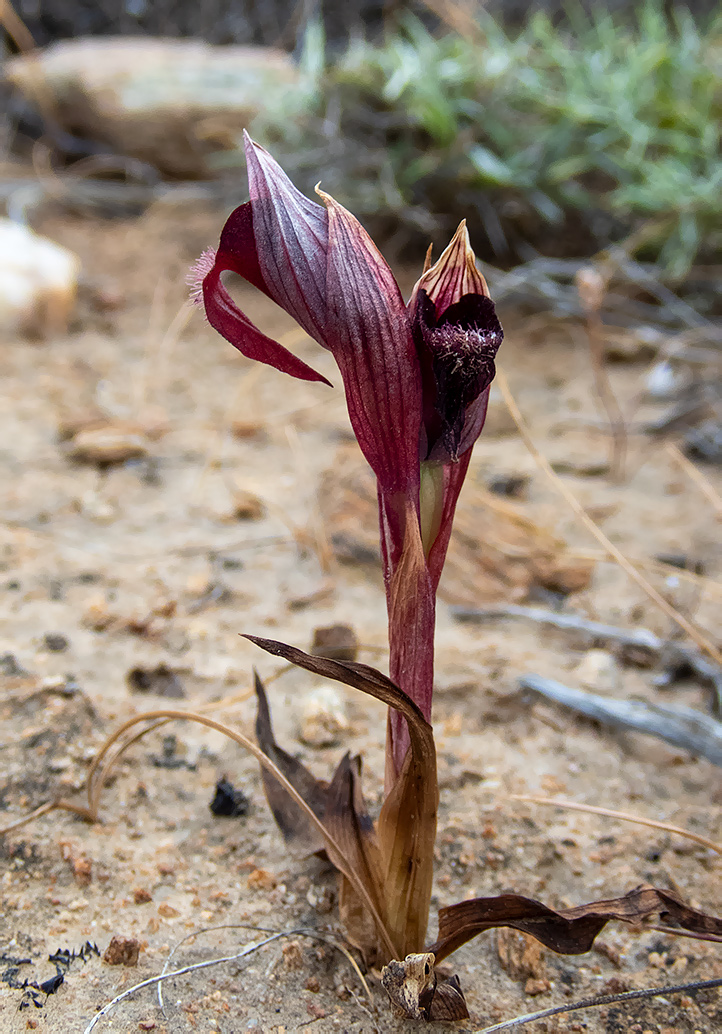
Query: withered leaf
(568, 931)
(405, 982)
(414, 990)
(407, 823)
(445, 1001)
(349, 822)
(301, 836)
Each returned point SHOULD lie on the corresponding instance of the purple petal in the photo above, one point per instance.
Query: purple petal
(370, 337)
(291, 237)
(453, 275)
(225, 316)
(237, 248)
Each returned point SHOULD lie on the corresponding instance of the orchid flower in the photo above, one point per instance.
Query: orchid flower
(416, 378)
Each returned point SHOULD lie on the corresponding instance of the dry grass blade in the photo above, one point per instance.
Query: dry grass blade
(16, 28)
(703, 483)
(100, 771)
(679, 619)
(301, 837)
(567, 931)
(348, 819)
(42, 809)
(623, 816)
(592, 287)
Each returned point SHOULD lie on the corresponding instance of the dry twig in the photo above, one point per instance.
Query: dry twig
(680, 726)
(679, 619)
(671, 653)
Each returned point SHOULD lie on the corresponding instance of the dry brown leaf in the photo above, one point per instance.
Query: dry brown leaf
(301, 837)
(415, 992)
(407, 824)
(568, 931)
(350, 823)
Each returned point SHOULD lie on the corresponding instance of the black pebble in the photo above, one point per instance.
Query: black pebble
(55, 642)
(227, 801)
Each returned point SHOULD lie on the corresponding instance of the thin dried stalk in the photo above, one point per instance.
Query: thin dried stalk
(703, 483)
(301, 932)
(592, 288)
(591, 1003)
(679, 619)
(624, 816)
(98, 774)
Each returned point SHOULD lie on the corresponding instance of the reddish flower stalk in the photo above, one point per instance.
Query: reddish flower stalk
(416, 378)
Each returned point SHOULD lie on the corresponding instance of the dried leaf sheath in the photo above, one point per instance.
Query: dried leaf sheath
(301, 836)
(407, 823)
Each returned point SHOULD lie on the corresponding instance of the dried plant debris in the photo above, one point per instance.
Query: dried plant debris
(122, 951)
(160, 679)
(32, 990)
(394, 862)
(567, 931)
(635, 646)
(301, 837)
(681, 726)
(415, 991)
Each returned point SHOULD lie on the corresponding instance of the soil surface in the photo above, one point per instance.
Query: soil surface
(242, 505)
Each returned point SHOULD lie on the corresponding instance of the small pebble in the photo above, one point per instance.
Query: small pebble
(324, 719)
(122, 951)
(55, 642)
(598, 671)
(338, 642)
(227, 801)
(512, 486)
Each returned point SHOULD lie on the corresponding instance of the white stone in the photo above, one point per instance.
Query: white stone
(324, 718)
(38, 281)
(170, 102)
(598, 671)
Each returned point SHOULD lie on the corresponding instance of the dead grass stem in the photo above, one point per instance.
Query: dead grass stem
(697, 636)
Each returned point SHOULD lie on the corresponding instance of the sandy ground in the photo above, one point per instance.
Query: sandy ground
(243, 516)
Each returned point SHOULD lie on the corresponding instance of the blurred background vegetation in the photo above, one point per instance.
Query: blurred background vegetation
(552, 138)
(553, 131)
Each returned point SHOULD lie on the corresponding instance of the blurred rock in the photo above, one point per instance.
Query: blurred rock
(705, 442)
(38, 282)
(122, 951)
(160, 680)
(513, 486)
(227, 801)
(339, 642)
(247, 506)
(324, 719)
(169, 102)
(55, 642)
(108, 445)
